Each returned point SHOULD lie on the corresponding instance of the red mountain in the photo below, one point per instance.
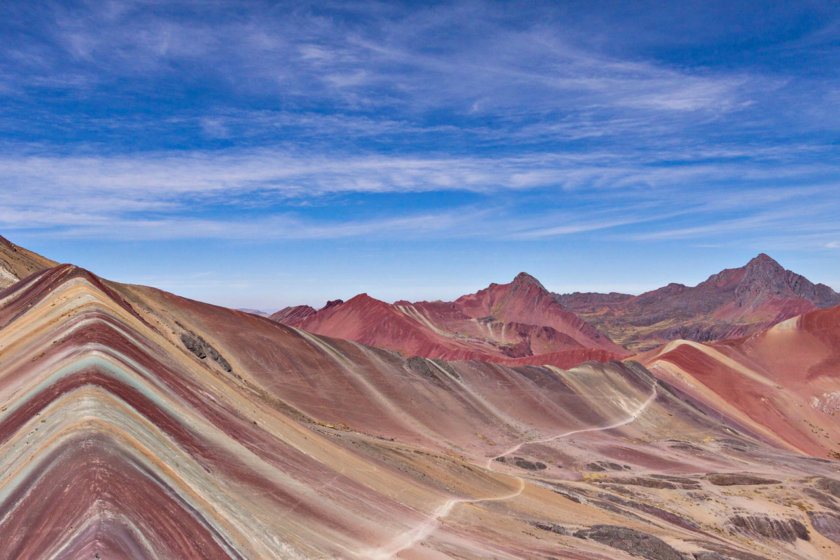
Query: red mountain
(732, 303)
(782, 383)
(502, 323)
(294, 314)
(136, 424)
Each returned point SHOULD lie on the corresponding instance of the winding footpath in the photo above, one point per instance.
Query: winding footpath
(624, 422)
(423, 530)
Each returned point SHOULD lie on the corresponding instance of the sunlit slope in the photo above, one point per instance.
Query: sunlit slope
(783, 382)
(17, 262)
(518, 322)
(560, 430)
(137, 424)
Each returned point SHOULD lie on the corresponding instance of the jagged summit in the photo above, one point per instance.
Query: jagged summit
(334, 302)
(523, 278)
(731, 303)
(764, 277)
(763, 258)
(765, 269)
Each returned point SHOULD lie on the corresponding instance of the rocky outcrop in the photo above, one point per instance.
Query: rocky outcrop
(551, 527)
(829, 485)
(632, 541)
(201, 348)
(529, 465)
(738, 479)
(826, 524)
(787, 530)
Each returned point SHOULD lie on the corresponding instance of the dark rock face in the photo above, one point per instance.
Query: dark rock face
(787, 530)
(632, 541)
(735, 479)
(764, 276)
(528, 465)
(569, 494)
(706, 555)
(830, 486)
(639, 481)
(332, 303)
(826, 524)
(681, 481)
(194, 346)
(602, 466)
(824, 500)
(201, 348)
(559, 529)
(422, 366)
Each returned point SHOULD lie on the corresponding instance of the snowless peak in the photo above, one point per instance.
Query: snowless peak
(763, 260)
(525, 278)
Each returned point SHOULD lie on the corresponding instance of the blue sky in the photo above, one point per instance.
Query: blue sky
(259, 154)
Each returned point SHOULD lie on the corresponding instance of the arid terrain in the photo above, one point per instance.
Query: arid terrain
(511, 423)
(732, 303)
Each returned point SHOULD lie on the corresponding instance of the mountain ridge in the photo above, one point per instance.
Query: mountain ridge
(138, 424)
(502, 323)
(731, 303)
(734, 302)
(17, 263)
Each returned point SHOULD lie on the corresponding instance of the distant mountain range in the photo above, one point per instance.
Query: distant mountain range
(522, 320)
(510, 323)
(732, 303)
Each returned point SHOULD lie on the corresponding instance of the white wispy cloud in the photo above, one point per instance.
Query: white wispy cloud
(334, 100)
(295, 51)
(598, 190)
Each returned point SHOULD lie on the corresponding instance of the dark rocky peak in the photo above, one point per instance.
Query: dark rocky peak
(525, 279)
(333, 303)
(765, 264)
(825, 296)
(764, 276)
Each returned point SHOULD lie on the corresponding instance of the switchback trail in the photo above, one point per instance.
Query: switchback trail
(423, 530)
